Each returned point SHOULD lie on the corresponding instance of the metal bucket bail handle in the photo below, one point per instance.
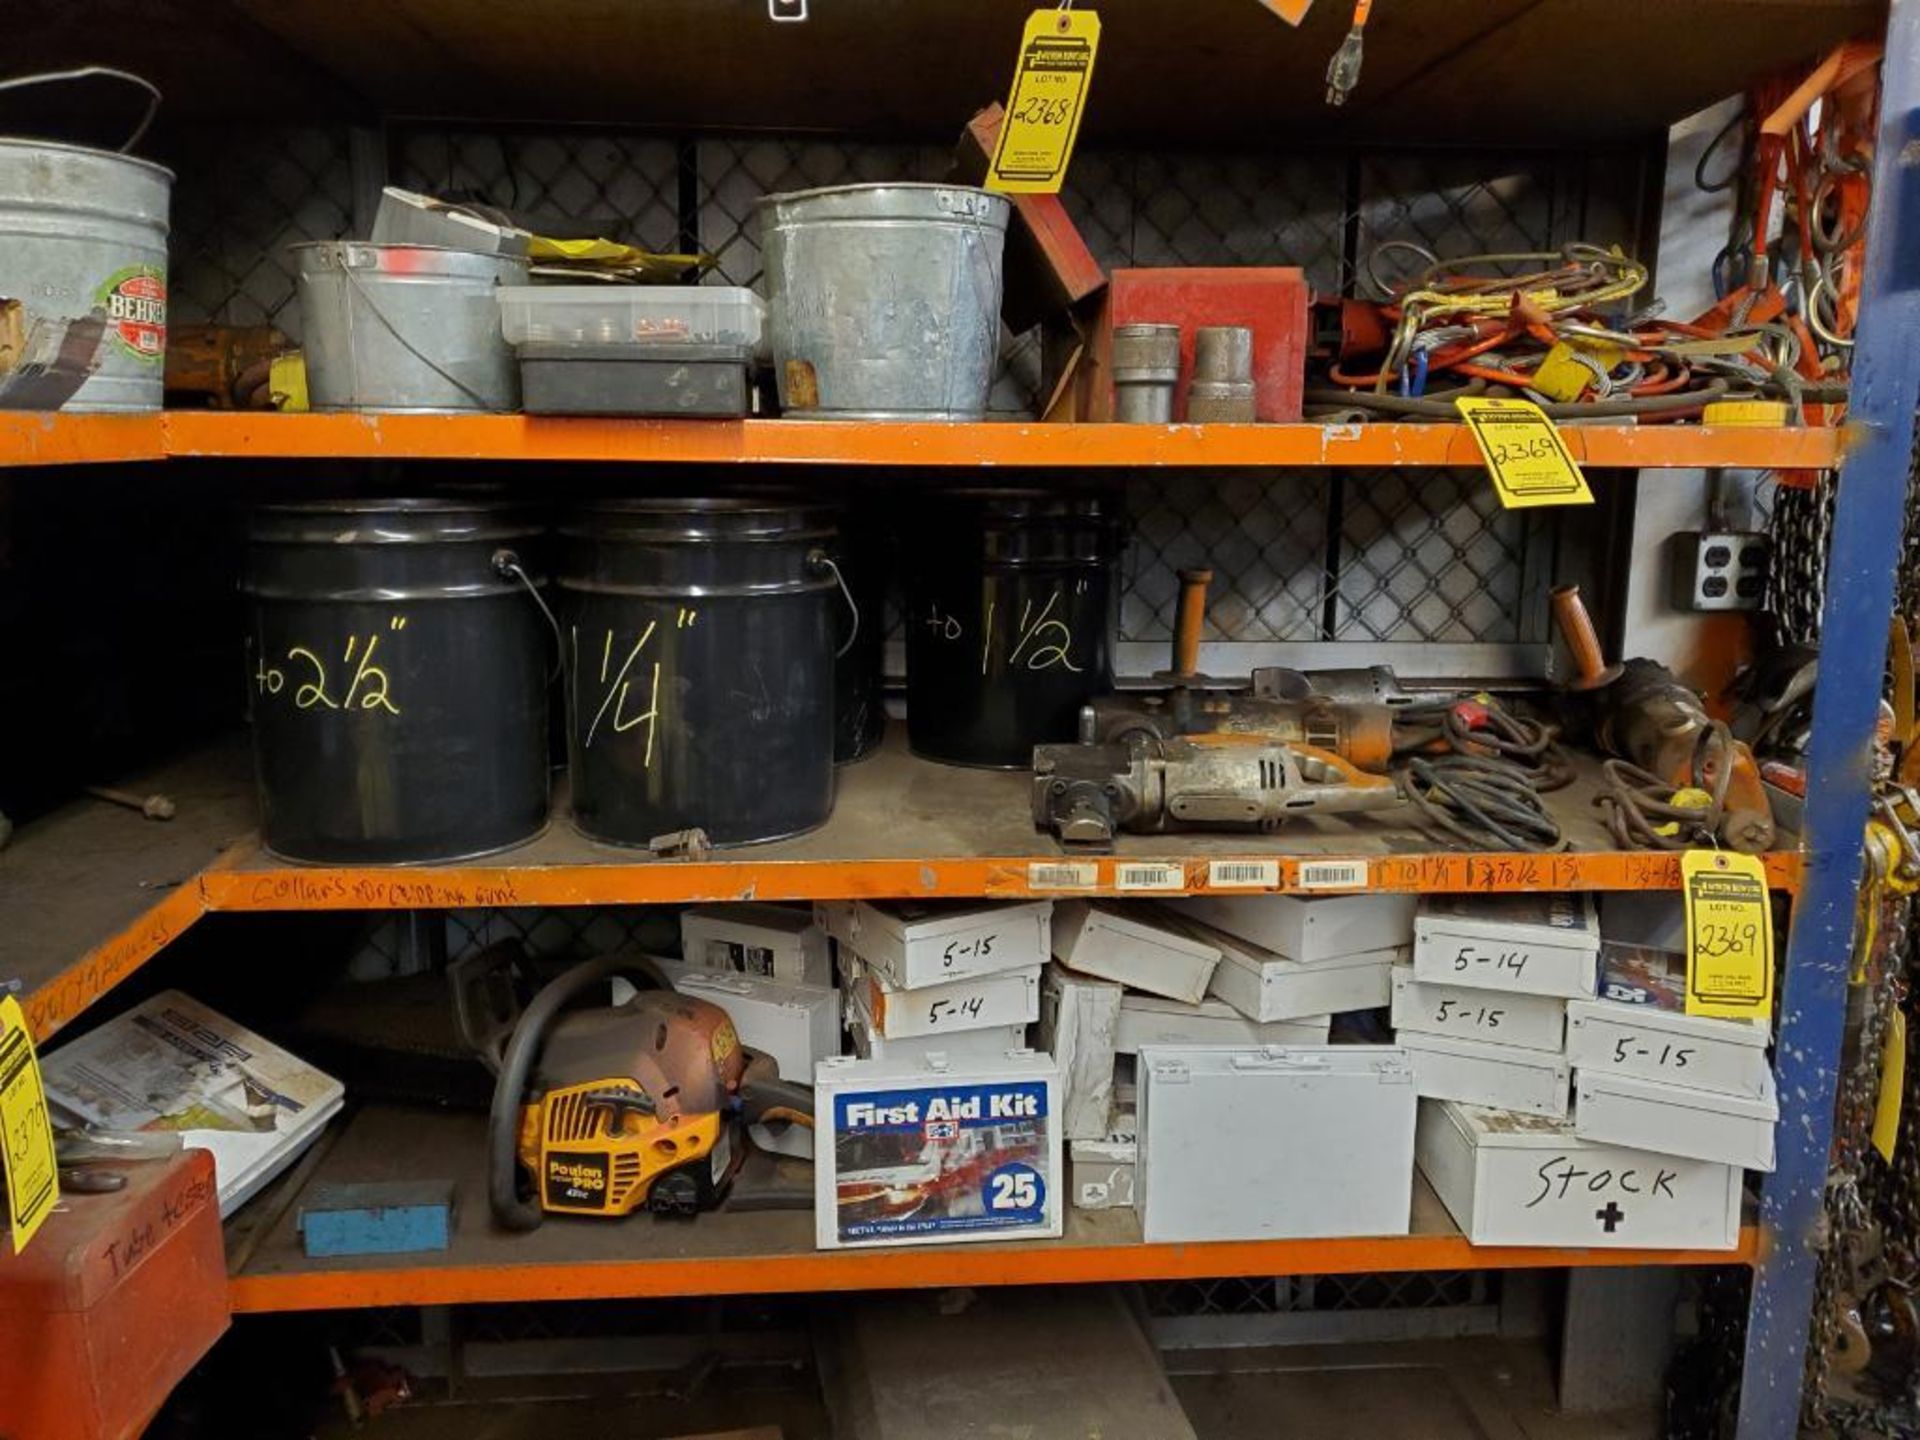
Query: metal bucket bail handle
(87, 72)
(347, 268)
(506, 564)
(820, 560)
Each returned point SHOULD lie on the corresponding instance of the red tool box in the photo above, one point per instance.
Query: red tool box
(1272, 301)
(112, 1303)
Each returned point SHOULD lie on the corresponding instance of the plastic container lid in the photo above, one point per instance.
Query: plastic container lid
(632, 314)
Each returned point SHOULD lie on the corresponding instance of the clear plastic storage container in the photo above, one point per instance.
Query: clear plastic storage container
(616, 314)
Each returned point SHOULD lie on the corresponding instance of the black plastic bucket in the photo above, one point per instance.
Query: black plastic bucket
(398, 680)
(1010, 621)
(699, 642)
(859, 672)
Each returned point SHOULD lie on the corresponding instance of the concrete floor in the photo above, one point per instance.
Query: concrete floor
(1444, 1390)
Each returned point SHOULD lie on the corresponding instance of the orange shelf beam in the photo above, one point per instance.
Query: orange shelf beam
(508, 437)
(33, 438)
(921, 1267)
(238, 883)
(258, 887)
(60, 439)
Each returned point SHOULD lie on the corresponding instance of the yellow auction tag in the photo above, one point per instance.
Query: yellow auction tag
(1048, 98)
(26, 1131)
(1729, 934)
(1893, 1082)
(1529, 462)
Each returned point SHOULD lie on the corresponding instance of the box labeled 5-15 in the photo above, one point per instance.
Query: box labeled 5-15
(930, 942)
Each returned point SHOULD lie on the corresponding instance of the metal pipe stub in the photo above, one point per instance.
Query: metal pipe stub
(1146, 365)
(1222, 388)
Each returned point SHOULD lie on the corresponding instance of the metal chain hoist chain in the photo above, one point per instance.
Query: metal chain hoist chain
(1800, 528)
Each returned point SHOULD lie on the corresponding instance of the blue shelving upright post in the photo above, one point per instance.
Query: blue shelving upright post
(1864, 550)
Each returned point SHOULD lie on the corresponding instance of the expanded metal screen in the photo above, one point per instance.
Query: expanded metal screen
(1387, 557)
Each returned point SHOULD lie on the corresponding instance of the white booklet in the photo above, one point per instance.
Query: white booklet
(173, 1064)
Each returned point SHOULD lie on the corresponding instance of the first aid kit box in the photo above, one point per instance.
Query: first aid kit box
(775, 941)
(981, 1002)
(907, 1152)
(1078, 1018)
(1274, 1142)
(1533, 944)
(1156, 1020)
(1673, 1119)
(1474, 1072)
(1510, 1179)
(1307, 927)
(1102, 1172)
(912, 943)
(1141, 947)
(1702, 1052)
(1528, 1022)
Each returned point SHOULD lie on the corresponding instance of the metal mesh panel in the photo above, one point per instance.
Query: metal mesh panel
(1268, 1295)
(1297, 556)
(244, 196)
(567, 185)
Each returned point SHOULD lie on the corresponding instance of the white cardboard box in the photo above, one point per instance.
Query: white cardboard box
(1078, 1017)
(1265, 985)
(908, 1152)
(1702, 1052)
(1511, 1179)
(930, 942)
(798, 1025)
(966, 1045)
(1545, 944)
(753, 939)
(983, 1002)
(1102, 1173)
(1672, 1119)
(1307, 928)
(1140, 948)
(1530, 1022)
(1156, 1020)
(1275, 1142)
(1473, 1072)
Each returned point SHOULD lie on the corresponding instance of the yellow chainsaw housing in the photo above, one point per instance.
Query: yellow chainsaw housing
(589, 1155)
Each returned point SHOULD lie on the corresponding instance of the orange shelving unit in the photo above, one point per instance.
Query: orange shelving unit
(213, 434)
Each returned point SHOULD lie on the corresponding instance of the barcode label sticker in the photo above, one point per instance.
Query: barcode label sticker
(1062, 875)
(1333, 875)
(1243, 874)
(1143, 876)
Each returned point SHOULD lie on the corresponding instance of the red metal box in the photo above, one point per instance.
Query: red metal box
(112, 1303)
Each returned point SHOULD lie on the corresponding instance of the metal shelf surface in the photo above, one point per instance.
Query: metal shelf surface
(92, 892)
(762, 1252)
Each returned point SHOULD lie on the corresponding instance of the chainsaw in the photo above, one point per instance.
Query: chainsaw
(611, 1108)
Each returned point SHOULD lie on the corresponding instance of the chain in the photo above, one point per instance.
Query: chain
(1800, 528)
(1857, 1174)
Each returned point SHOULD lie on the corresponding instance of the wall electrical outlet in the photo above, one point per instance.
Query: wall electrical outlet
(1720, 569)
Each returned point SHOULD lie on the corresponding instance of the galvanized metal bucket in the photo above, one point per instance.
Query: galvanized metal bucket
(405, 327)
(884, 300)
(83, 250)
